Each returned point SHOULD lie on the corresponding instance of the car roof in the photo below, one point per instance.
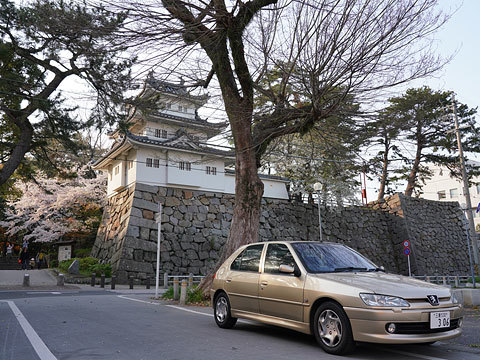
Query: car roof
(291, 242)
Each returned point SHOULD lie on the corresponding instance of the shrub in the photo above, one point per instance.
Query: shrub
(86, 263)
(65, 264)
(194, 295)
(100, 269)
(83, 253)
(168, 294)
(87, 266)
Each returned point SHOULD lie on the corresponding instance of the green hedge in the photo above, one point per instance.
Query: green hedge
(194, 295)
(87, 266)
(82, 253)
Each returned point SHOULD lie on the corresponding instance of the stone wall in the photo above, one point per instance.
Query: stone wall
(436, 232)
(195, 225)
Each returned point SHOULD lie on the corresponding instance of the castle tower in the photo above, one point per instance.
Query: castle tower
(164, 157)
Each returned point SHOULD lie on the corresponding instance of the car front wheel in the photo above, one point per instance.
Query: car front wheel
(332, 329)
(222, 314)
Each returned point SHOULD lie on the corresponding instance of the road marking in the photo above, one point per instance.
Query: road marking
(44, 292)
(420, 356)
(38, 345)
(138, 300)
(426, 357)
(172, 306)
(188, 310)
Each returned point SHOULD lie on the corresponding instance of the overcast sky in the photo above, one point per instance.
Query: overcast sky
(460, 36)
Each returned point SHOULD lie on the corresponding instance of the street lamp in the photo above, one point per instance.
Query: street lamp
(466, 190)
(317, 187)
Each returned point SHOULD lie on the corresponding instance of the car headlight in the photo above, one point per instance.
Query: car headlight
(456, 299)
(383, 300)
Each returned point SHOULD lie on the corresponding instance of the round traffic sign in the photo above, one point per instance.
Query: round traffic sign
(406, 251)
(406, 243)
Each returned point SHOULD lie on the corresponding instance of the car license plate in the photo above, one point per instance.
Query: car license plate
(439, 319)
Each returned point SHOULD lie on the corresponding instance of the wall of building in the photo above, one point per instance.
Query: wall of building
(116, 175)
(271, 188)
(197, 177)
(131, 167)
(442, 187)
(151, 174)
(168, 173)
(195, 225)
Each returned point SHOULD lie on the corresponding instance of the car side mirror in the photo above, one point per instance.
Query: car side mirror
(297, 271)
(287, 269)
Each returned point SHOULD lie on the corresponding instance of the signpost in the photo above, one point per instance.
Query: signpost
(158, 220)
(406, 251)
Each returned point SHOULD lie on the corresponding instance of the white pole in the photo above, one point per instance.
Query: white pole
(159, 231)
(317, 187)
(409, 271)
(466, 190)
(319, 218)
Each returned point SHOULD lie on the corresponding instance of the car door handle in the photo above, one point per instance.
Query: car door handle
(228, 280)
(264, 283)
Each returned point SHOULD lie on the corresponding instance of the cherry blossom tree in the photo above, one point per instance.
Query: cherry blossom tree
(50, 207)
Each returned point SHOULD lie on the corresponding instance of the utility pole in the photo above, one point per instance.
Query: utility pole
(317, 187)
(466, 189)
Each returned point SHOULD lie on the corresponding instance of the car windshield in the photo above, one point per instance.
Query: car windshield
(322, 257)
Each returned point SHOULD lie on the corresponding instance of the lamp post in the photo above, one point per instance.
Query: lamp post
(466, 190)
(317, 187)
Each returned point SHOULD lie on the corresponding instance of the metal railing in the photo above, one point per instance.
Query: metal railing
(168, 279)
(447, 280)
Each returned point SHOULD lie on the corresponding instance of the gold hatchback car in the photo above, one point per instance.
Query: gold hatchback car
(333, 292)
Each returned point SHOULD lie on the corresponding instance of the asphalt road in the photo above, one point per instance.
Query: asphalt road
(105, 325)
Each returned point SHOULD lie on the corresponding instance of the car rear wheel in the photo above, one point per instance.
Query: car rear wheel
(222, 314)
(332, 329)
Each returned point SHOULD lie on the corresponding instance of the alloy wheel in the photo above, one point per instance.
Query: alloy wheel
(330, 328)
(221, 309)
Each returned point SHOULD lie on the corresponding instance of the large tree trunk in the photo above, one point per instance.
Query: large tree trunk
(412, 177)
(383, 179)
(246, 212)
(18, 153)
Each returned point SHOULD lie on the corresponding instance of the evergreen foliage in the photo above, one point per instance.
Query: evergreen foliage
(415, 130)
(42, 43)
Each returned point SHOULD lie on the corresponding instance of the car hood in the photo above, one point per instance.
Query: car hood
(386, 284)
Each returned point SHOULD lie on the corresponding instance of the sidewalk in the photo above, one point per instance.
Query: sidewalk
(45, 279)
(123, 289)
(37, 277)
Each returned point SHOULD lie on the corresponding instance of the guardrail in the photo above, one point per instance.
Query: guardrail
(448, 280)
(191, 279)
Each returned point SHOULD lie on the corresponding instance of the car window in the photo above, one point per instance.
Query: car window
(236, 263)
(249, 259)
(277, 254)
(327, 257)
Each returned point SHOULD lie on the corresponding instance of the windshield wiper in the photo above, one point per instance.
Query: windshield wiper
(377, 269)
(349, 268)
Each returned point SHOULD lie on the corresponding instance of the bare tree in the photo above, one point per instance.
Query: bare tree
(325, 50)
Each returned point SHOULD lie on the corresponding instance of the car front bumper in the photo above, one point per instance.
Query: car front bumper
(369, 325)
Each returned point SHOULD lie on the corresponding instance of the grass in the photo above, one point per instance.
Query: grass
(194, 296)
(87, 266)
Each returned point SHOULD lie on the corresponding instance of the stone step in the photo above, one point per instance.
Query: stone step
(10, 266)
(9, 263)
